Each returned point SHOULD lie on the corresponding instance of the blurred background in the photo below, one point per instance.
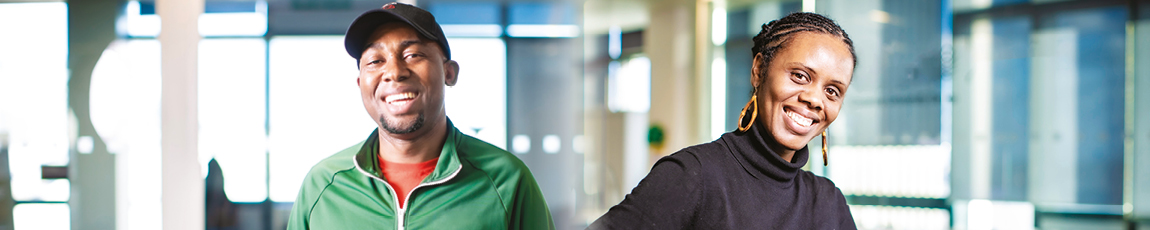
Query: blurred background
(206, 114)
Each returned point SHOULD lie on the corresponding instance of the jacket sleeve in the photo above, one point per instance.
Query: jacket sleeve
(309, 192)
(666, 199)
(529, 209)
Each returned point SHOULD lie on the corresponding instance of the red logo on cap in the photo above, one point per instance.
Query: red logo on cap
(389, 6)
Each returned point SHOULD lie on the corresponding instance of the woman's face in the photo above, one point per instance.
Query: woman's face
(804, 87)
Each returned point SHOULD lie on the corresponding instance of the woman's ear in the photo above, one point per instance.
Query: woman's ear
(757, 69)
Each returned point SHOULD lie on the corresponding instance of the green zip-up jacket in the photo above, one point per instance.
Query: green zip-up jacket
(475, 185)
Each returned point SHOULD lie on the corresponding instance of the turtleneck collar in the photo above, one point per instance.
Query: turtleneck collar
(751, 151)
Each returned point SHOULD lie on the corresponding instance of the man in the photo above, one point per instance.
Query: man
(416, 171)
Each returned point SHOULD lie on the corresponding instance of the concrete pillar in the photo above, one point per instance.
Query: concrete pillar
(1136, 204)
(678, 83)
(91, 27)
(182, 186)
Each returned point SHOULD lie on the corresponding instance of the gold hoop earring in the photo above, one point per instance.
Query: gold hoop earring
(754, 113)
(824, 147)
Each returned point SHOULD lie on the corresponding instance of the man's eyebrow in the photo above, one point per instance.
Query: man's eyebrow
(402, 45)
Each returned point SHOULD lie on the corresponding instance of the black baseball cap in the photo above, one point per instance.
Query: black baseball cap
(355, 41)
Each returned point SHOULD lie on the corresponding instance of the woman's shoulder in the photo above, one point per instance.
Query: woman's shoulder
(822, 185)
(705, 152)
(829, 196)
(700, 161)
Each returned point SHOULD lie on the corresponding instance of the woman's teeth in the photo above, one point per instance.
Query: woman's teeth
(804, 121)
(399, 96)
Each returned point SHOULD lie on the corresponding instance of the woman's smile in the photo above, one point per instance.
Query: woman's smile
(796, 122)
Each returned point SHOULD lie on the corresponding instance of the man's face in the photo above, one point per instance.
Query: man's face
(402, 78)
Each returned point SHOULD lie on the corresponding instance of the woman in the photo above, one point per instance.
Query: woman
(751, 178)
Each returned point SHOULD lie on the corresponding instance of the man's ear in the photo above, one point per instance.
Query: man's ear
(757, 69)
(450, 72)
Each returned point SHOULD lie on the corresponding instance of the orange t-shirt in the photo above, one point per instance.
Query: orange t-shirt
(403, 177)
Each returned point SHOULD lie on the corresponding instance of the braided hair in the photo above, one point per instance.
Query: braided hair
(777, 34)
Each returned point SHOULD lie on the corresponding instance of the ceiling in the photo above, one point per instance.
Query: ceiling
(631, 15)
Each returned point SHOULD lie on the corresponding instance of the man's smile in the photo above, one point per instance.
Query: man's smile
(400, 102)
(400, 98)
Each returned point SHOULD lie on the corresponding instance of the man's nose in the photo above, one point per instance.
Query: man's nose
(395, 70)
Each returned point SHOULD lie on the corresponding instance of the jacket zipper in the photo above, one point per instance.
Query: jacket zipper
(401, 211)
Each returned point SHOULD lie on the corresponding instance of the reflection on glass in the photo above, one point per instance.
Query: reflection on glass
(888, 144)
(234, 22)
(893, 217)
(477, 104)
(140, 22)
(1039, 114)
(922, 170)
(314, 107)
(316, 110)
(124, 106)
(231, 114)
(629, 85)
(33, 96)
(41, 217)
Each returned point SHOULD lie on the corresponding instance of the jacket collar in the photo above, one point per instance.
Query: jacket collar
(447, 166)
(750, 150)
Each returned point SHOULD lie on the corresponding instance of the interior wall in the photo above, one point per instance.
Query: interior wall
(544, 93)
(91, 27)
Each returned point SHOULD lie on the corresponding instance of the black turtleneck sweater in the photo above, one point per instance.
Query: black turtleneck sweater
(735, 182)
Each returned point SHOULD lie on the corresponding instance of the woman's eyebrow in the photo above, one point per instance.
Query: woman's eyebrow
(805, 68)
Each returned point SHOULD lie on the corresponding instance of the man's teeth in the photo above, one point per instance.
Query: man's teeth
(399, 96)
(804, 121)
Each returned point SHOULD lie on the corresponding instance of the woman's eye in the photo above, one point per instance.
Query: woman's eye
(800, 77)
(832, 91)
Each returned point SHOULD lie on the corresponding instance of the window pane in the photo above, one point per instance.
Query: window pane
(1040, 108)
(477, 104)
(125, 110)
(41, 217)
(331, 106)
(234, 18)
(1079, 77)
(33, 95)
(314, 108)
(232, 114)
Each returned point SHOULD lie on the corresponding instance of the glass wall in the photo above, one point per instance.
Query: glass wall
(34, 115)
(962, 114)
(890, 144)
(961, 108)
(232, 93)
(314, 108)
(273, 102)
(1041, 107)
(124, 106)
